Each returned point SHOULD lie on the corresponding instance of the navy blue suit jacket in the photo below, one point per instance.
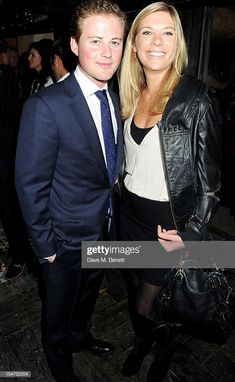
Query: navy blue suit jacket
(61, 177)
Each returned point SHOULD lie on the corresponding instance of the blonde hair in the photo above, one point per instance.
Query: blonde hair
(132, 78)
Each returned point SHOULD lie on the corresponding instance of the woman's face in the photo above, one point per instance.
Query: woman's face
(155, 43)
(35, 60)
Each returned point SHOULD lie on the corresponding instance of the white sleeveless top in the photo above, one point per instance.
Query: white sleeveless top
(143, 165)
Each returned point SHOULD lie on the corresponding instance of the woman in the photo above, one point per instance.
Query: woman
(172, 157)
(39, 60)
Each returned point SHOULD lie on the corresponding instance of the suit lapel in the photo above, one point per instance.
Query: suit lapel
(84, 118)
(82, 113)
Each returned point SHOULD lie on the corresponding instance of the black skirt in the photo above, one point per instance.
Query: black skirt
(139, 218)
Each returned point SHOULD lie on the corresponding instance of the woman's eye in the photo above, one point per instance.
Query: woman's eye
(146, 33)
(168, 33)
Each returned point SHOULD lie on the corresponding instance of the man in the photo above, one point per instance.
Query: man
(63, 60)
(63, 181)
(13, 58)
(4, 52)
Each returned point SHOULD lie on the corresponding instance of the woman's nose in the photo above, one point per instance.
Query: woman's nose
(157, 40)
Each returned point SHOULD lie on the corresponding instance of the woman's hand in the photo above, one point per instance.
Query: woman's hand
(170, 240)
(50, 258)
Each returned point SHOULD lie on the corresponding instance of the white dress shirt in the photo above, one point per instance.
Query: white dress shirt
(89, 88)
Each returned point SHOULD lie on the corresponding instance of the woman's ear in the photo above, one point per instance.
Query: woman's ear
(74, 46)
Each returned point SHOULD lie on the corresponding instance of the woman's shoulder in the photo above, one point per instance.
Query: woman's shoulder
(187, 98)
(200, 88)
(192, 84)
(193, 90)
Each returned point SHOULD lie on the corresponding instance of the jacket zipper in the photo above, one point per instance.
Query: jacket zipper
(166, 175)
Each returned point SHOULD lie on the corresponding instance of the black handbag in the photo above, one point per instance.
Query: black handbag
(198, 300)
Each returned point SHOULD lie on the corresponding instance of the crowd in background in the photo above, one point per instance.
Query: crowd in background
(44, 63)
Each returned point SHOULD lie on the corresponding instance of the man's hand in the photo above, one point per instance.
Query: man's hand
(170, 240)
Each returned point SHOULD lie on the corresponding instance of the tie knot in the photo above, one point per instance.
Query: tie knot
(101, 94)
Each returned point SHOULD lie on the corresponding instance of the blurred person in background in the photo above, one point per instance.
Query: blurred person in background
(13, 57)
(39, 60)
(4, 52)
(63, 60)
(19, 249)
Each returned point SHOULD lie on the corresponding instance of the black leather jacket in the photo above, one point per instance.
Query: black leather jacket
(190, 135)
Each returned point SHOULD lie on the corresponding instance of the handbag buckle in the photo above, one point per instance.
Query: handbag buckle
(180, 274)
(214, 282)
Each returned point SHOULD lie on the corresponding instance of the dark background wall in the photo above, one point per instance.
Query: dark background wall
(23, 17)
(209, 28)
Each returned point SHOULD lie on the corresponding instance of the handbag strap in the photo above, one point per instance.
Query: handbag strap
(214, 280)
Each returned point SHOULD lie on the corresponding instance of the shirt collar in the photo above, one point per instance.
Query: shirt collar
(88, 87)
(63, 78)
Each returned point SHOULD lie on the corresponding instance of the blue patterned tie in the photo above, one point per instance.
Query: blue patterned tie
(107, 128)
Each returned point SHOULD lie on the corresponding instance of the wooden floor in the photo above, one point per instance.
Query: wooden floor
(20, 343)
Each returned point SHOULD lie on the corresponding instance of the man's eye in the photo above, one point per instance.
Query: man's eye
(116, 43)
(95, 42)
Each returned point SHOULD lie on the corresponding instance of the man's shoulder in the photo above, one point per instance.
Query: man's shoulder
(51, 96)
(55, 97)
(68, 86)
(50, 90)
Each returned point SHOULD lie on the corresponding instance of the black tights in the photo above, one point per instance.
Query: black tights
(146, 293)
(140, 300)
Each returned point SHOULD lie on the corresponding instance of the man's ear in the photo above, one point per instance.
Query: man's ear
(74, 45)
(56, 60)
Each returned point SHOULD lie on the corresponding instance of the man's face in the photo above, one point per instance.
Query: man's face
(13, 58)
(99, 48)
(4, 58)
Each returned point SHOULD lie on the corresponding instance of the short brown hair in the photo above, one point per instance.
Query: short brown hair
(94, 7)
